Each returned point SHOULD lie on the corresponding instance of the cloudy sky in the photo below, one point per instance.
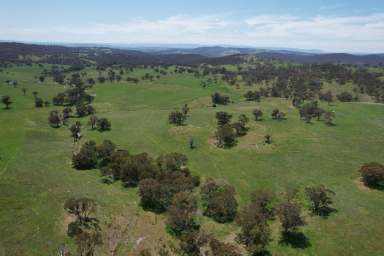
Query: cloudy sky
(331, 25)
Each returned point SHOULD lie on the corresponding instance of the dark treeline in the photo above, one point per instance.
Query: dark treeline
(53, 54)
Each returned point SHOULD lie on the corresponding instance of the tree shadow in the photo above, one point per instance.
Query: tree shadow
(325, 212)
(295, 239)
(263, 253)
(374, 187)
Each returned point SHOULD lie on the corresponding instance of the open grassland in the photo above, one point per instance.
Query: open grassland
(36, 176)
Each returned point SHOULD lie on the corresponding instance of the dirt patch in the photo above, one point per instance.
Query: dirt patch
(186, 130)
(65, 221)
(103, 107)
(129, 235)
(255, 140)
(202, 102)
(361, 186)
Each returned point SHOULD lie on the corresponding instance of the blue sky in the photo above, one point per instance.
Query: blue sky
(347, 26)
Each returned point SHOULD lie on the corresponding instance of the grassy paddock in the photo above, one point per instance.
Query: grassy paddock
(36, 176)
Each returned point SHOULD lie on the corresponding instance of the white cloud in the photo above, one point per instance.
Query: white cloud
(347, 33)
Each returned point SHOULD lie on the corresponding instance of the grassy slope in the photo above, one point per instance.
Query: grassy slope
(36, 176)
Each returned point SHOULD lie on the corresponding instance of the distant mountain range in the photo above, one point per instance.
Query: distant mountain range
(184, 53)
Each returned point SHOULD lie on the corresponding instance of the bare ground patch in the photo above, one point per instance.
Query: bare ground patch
(186, 130)
(131, 234)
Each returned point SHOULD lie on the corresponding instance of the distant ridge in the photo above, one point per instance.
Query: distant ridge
(152, 55)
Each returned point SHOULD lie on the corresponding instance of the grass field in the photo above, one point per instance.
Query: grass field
(36, 176)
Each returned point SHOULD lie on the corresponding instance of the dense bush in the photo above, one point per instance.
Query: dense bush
(92, 155)
(345, 97)
(87, 157)
(39, 102)
(172, 176)
(223, 118)
(177, 118)
(254, 219)
(252, 96)
(182, 214)
(225, 136)
(103, 124)
(219, 201)
(373, 174)
(321, 199)
(219, 99)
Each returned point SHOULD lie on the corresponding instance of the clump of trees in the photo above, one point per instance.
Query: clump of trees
(223, 118)
(311, 110)
(75, 95)
(179, 117)
(219, 201)
(372, 175)
(327, 96)
(171, 176)
(345, 97)
(227, 132)
(182, 215)
(254, 220)
(253, 96)
(240, 126)
(277, 114)
(86, 158)
(84, 110)
(93, 156)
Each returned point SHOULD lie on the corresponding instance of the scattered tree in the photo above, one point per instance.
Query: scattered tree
(328, 117)
(219, 99)
(103, 124)
(177, 118)
(39, 103)
(54, 118)
(223, 118)
(6, 101)
(290, 214)
(321, 199)
(81, 208)
(267, 139)
(258, 114)
(75, 131)
(93, 121)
